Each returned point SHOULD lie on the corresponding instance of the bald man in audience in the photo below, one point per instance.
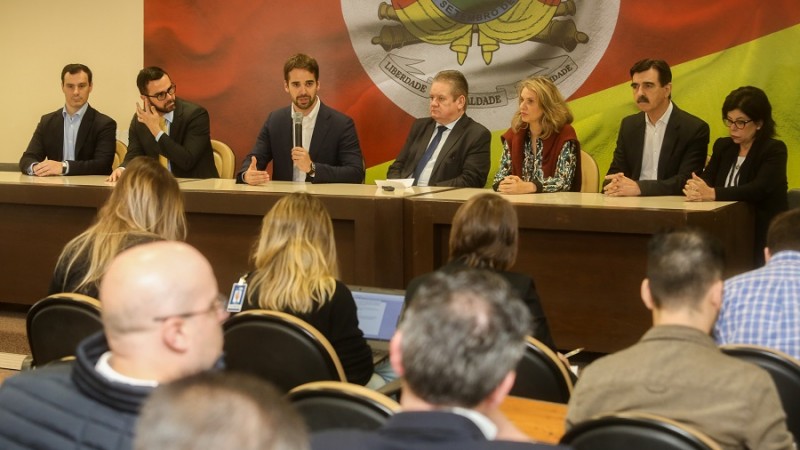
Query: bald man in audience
(161, 322)
(676, 369)
(457, 348)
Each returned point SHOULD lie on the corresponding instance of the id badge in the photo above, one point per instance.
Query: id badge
(236, 299)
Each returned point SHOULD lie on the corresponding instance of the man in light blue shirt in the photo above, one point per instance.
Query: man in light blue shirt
(73, 140)
(762, 307)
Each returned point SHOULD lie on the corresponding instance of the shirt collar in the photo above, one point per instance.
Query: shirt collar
(450, 125)
(487, 427)
(78, 113)
(169, 117)
(664, 119)
(108, 372)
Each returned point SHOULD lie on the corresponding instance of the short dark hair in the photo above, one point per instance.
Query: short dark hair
(682, 265)
(219, 410)
(784, 232)
(661, 66)
(301, 61)
(753, 102)
(462, 334)
(458, 83)
(485, 233)
(72, 69)
(147, 75)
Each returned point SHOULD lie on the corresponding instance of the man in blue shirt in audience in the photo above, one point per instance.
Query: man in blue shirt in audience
(762, 307)
(161, 322)
(457, 348)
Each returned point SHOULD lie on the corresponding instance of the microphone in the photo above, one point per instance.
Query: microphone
(298, 128)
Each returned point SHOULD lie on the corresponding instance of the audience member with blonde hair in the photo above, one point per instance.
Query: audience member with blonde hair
(541, 152)
(219, 410)
(145, 205)
(485, 236)
(296, 272)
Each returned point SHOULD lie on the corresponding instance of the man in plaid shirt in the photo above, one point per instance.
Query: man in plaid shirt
(762, 307)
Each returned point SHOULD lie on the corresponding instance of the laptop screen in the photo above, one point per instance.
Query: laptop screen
(378, 311)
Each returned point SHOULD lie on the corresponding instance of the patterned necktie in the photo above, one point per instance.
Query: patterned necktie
(162, 123)
(428, 153)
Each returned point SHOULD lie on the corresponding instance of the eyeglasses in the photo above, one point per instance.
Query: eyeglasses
(740, 124)
(160, 96)
(215, 306)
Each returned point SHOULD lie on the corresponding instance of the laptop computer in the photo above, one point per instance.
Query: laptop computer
(378, 312)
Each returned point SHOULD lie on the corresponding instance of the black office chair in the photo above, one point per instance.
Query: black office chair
(279, 348)
(57, 323)
(331, 404)
(785, 372)
(541, 375)
(626, 431)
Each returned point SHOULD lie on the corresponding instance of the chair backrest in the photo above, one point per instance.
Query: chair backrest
(57, 323)
(634, 431)
(332, 404)
(785, 372)
(224, 159)
(119, 154)
(590, 174)
(279, 348)
(541, 375)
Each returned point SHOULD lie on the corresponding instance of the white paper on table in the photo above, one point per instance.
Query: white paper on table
(396, 183)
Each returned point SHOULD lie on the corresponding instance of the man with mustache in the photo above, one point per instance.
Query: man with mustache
(171, 129)
(327, 149)
(659, 148)
(75, 139)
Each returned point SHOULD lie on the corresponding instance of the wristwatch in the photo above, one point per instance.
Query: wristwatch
(313, 171)
(64, 167)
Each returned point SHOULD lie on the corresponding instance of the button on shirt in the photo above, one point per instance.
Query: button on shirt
(653, 139)
(425, 175)
(309, 122)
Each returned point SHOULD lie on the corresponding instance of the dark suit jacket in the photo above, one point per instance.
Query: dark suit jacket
(188, 145)
(94, 146)
(683, 151)
(522, 285)
(462, 162)
(334, 150)
(435, 430)
(762, 181)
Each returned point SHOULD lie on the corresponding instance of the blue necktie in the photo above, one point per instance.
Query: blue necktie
(428, 153)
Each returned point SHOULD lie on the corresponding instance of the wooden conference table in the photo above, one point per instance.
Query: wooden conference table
(585, 251)
(541, 421)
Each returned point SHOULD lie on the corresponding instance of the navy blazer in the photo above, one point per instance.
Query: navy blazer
(187, 146)
(94, 146)
(683, 152)
(433, 430)
(464, 160)
(334, 148)
(762, 181)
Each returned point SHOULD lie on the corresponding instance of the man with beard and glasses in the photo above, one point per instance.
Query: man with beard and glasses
(73, 140)
(170, 129)
(659, 148)
(326, 149)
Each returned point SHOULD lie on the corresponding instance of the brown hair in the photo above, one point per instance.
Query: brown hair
(485, 233)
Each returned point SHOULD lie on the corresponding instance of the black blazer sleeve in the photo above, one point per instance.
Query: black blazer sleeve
(762, 174)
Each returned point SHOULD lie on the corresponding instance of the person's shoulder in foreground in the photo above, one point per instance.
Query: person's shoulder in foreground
(451, 402)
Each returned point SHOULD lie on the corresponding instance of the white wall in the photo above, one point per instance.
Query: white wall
(39, 37)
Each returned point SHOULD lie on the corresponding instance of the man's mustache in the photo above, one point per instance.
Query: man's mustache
(642, 99)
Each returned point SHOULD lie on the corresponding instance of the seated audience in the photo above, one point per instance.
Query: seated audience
(161, 321)
(750, 165)
(221, 411)
(485, 235)
(676, 369)
(145, 205)
(541, 152)
(762, 307)
(457, 348)
(75, 139)
(296, 272)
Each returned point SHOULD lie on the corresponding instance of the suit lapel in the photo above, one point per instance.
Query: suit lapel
(59, 133)
(176, 127)
(321, 128)
(83, 132)
(668, 144)
(449, 143)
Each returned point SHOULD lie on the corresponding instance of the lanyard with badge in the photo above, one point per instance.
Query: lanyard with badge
(236, 299)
